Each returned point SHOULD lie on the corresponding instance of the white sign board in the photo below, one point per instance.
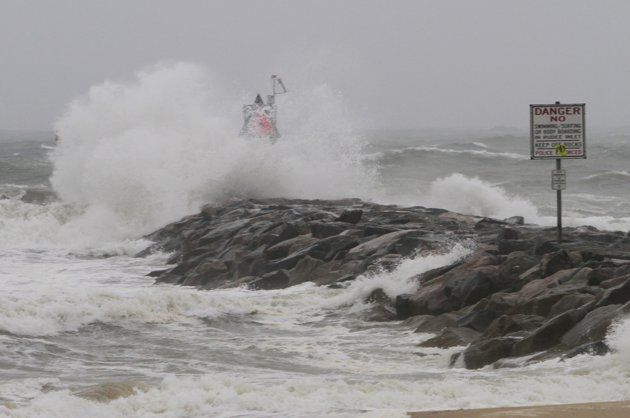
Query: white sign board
(558, 179)
(557, 131)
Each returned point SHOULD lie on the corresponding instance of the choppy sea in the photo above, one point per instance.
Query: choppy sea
(82, 324)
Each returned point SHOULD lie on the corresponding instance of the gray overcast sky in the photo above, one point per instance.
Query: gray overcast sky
(401, 63)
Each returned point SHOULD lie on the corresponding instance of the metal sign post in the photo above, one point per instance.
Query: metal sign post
(558, 199)
(557, 132)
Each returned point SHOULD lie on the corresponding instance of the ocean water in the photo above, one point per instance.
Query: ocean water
(84, 331)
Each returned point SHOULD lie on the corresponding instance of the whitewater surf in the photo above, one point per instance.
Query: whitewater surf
(84, 331)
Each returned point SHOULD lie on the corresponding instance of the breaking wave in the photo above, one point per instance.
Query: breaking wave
(403, 279)
(467, 195)
(135, 155)
(229, 394)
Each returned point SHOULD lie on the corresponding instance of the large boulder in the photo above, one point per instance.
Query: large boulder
(592, 327)
(515, 220)
(597, 348)
(508, 324)
(286, 247)
(278, 279)
(352, 216)
(431, 323)
(465, 284)
(549, 334)
(485, 352)
(545, 247)
(544, 303)
(508, 233)
(537, 296)
(307, 269)
(406, 306)
(554, 262)
(570, 301)
(615, 295)
(451, 337)
(328, 229)
(506, 246)
(470, 287)
(380, 245)
(479, 320)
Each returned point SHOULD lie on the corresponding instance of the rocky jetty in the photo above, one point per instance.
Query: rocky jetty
(275, 243)
(519, 294)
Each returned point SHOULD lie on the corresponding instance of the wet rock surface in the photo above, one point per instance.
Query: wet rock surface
(275, 243)
(518, 293)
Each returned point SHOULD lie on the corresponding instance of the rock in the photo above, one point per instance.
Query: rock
(486, 223)
(622, 270)
(380, 245)
(592, 327)
(534, 273)
(430, 323)
(597, 348)
(285, 231)
(508, 324)
(576, 258)
(212, 266)
(570, 301)
(599, 275)
(157, 273)
(451, 337)
(306, 270)
(429, 275)
(226, 230)
(548, 334)
(543, 303)
(378, 313)
(478, 320)
(378, 296)
(284, 248)
(508, 233)
(471, 288)
(335, 247)
(466, 284)
(615, 295)
(485, 352)
(614, 282)
(500, 302)
(389, 262)
(554, 262)
(411, 244)
(327, 229)
(512, 269)
(509, 246)
(275, 280)
(369, 230)
(209, 211)
(290, 261)
(515, 220)
(515, 277)
(350, 216)
(537, 287)
(544, 247)
(342, 281)
(405, 306)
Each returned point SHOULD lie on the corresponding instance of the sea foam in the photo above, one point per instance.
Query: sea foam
(137, 155)
(473, 196)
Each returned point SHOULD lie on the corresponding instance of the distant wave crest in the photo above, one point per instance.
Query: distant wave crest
(434, 149)
(609, 175)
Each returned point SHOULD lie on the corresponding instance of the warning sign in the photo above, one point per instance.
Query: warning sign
(557, 131)
(558, 179)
